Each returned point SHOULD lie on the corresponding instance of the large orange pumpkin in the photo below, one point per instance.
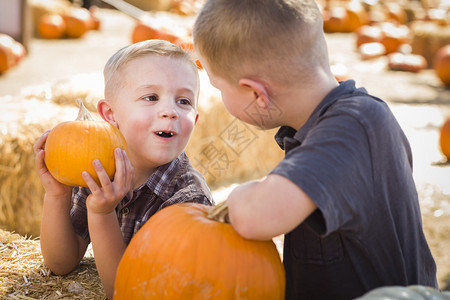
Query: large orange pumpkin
(441, 64)
(182, 253)
(72, 146)
(444, 138)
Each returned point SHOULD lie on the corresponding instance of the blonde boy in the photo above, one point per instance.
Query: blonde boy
(151, 91)
(344, 194)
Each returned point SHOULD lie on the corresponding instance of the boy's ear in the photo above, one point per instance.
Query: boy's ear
(105, 110)
(260, 92)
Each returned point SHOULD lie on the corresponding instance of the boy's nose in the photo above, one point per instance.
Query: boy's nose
(168, 113)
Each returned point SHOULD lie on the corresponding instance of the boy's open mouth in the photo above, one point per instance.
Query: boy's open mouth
(165, 134)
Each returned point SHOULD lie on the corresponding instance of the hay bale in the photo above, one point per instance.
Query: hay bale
(149, 5)
(428, 38)
(25, 276)
(21, 192)
(42, 7)
(85, 86)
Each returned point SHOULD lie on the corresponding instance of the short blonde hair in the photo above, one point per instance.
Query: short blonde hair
(280, 39)
(131, 52)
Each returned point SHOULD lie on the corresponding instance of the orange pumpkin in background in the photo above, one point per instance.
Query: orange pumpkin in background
(406, 62)
(95, 20)
(394, 36)
(371, 50)
(72, 146)
(357, 16)
(144, 31)
(335, 19)
(7, 59)
(444, 138)
(368, 34)
(441, 64)
(11, 52)
(395, 13)
(78, 21)
(51, 26)
(18, 51)
(186, 251)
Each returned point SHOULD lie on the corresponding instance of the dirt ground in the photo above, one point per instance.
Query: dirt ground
(419, 101)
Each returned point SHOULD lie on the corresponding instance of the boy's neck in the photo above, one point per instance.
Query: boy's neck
(299, 103)
(141, 176)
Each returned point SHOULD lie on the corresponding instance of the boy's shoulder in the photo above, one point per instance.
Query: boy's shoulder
(188, 180)
(347, 100)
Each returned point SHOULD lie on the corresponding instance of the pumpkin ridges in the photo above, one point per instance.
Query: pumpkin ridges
(51, 26)
(72, 146)
(444, 138)
(160, 280)
(441, 64)
(183, 275)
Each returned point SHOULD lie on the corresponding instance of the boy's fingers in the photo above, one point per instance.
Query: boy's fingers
(39, 160)
(130, 169)
(39, 144)
(92, 185)
(119, 176)
(103, 177)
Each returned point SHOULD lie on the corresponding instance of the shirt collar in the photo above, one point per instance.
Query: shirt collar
(159, 181)
(288, 137)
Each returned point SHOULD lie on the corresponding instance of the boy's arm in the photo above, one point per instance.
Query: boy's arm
(261, 210)
(104, 228)
(108, 246)
(61, 248)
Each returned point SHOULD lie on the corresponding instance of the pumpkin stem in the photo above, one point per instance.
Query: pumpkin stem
(219, 212)
(83, 113)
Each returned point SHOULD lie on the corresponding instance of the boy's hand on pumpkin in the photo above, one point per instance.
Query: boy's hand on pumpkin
(104, 198)
(53, 188)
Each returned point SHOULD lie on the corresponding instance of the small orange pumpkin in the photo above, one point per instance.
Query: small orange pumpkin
(78, 22)
(394, 36)
(368, 34)
(145, 31)
(51, 26)
(72, 146)
(95, 20)
(357, 16)
(183, 252)
(409, 62)
(444, 138)
(396, 13)
(441, 64)
(335, 19)
(7, 58)
(371, 50)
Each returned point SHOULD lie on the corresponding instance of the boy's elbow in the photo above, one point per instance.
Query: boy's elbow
(59, 268)
(245, 226)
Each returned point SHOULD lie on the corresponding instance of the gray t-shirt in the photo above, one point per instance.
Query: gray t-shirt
(354, 161)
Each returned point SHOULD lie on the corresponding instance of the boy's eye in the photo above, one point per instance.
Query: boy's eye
(184, 101)
(151, 98)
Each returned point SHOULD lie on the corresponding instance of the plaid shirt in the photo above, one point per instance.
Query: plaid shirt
(172, 183)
